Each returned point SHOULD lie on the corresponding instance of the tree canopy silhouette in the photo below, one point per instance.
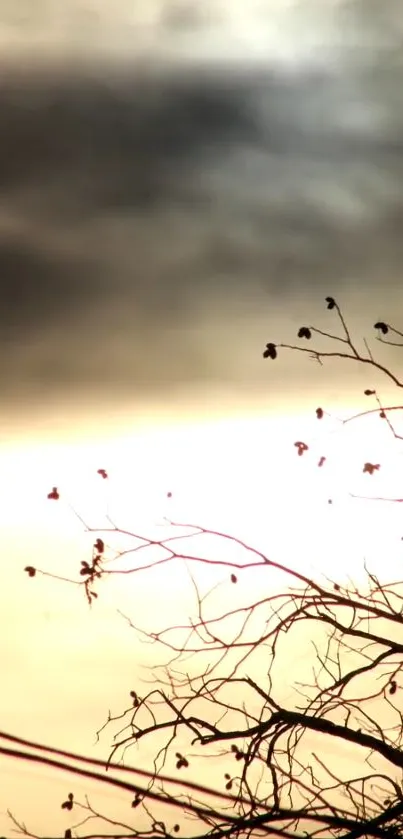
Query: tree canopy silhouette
(315, 756)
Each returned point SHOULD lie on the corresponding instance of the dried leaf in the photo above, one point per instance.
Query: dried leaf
(319, 413)
(370, 468)
(68, 805)
(270, 351)
(330, 302)
(383, 327)
(31, 571)
(304, 332)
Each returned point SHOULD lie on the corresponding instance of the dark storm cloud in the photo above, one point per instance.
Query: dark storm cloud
(150, 224)
(138, 130)
(36, 287)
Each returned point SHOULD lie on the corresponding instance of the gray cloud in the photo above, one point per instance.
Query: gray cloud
(152, 224)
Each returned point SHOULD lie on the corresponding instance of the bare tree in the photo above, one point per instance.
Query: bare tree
(318, 754)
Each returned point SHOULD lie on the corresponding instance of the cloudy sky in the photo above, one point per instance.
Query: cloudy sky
(180, 184)
(165, 210)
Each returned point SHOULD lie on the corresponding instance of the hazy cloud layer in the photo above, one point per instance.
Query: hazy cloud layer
(156, 224)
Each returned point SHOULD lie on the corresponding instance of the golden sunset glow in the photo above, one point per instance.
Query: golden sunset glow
(243, 477)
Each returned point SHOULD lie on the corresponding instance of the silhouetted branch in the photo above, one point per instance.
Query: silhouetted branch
(219, 695)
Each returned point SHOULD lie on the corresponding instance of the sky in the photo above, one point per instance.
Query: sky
(162, 215)
(179, 186)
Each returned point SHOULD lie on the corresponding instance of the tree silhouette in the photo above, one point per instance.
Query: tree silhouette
(313, 756)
